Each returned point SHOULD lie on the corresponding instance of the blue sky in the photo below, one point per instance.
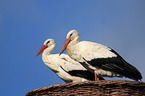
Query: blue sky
(26, 24)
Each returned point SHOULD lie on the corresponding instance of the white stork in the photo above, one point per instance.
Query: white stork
(65, 67)
(98, 58)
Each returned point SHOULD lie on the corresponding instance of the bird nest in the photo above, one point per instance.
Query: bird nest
(99, 88)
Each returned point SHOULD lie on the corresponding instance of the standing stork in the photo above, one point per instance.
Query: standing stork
(98, 58)
(65, 67)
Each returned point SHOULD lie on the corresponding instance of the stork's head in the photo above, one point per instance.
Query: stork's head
(72, 35)
(47, 44)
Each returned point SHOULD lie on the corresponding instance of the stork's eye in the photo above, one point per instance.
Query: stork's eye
(71, 34)
(48, 42)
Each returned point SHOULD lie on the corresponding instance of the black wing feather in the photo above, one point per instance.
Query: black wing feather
(117, 65)
(83, 74)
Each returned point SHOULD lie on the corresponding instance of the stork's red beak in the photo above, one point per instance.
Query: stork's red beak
(64, 46)
(41, 50)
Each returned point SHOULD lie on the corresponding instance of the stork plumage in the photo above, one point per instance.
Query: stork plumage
(65, 67)
(98, 58)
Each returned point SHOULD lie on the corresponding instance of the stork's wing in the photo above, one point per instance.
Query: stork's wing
(74, 68)
(84, 74)
(69, 64)
(117, 65)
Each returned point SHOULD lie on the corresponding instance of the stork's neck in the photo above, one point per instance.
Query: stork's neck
(48, 51)
(73, 42)
(71, 46)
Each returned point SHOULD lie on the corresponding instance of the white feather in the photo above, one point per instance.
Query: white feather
(54, 62)
(89, 51)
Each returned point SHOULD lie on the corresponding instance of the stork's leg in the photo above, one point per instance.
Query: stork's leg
(96, 77)
(86, 64)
